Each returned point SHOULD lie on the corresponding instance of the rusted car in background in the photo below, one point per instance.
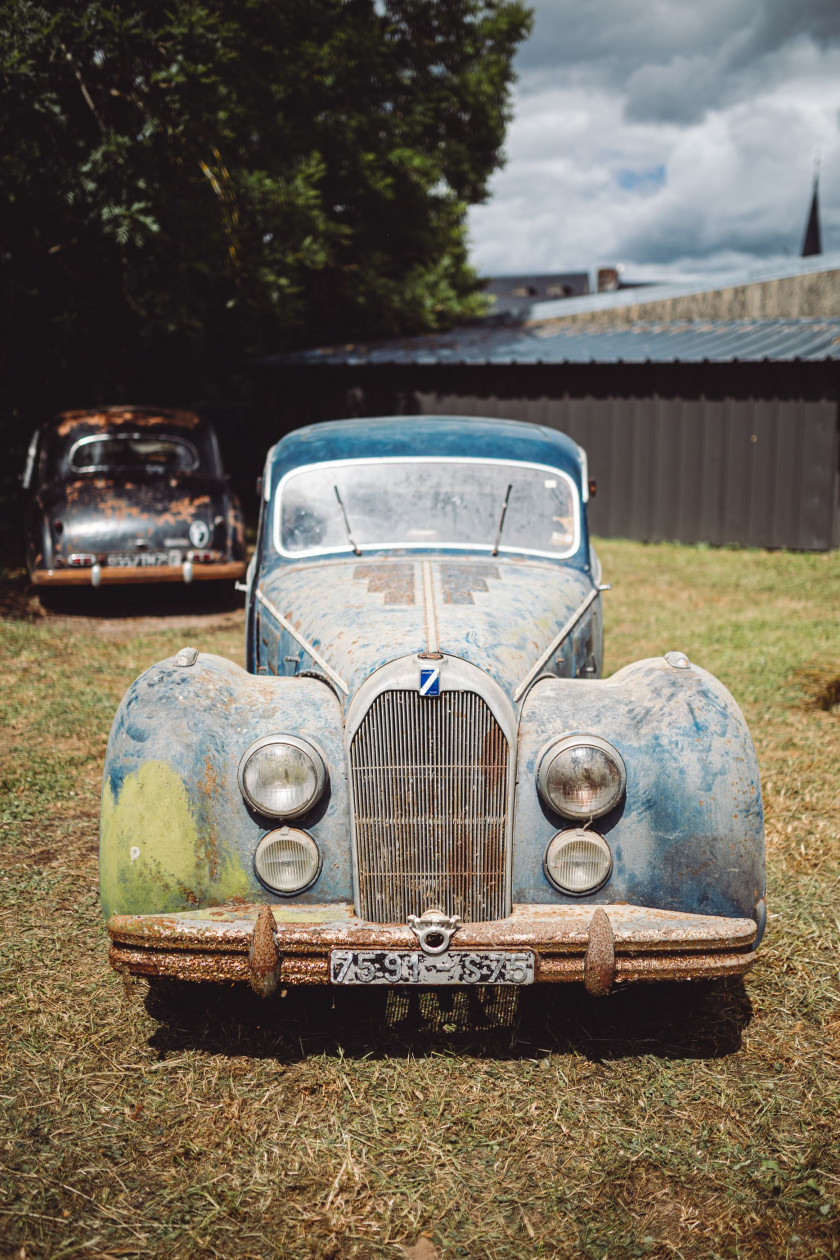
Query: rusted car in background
(129, 494)
(421, 778)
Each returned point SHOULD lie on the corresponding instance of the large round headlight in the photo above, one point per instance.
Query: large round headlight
(581, 776)
(282, 776)
(578, 861)
(287, 860)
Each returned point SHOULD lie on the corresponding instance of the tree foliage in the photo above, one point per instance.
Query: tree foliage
(187, 182)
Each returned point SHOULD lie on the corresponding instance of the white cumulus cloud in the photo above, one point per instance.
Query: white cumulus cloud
(674, 138)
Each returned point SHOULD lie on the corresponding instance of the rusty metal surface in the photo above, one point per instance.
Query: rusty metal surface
(223, 571)
(430, 791)
(310, 967)
(599, 960)
(263, 955)
(394, 582)
(94, 420)
(553, 930)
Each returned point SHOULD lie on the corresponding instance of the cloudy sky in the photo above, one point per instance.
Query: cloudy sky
(676, 137)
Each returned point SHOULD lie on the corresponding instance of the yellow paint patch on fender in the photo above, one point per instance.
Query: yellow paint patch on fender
(152, 858)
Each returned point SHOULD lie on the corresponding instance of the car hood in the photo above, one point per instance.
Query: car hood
(115, 512)
(502, 615)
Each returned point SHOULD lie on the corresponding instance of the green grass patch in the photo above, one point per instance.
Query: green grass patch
(687, 1121)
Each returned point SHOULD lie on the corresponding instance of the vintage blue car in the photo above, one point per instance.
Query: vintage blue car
(421, 777)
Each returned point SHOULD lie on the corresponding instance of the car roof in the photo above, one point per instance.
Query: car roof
(74, 424)
(475, 437)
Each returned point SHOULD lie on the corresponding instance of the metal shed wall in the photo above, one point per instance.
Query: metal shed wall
(745, 454)
(751, 472)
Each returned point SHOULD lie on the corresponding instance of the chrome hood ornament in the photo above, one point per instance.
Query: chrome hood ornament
(434, 930)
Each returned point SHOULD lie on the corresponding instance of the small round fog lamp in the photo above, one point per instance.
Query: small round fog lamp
(578, 861)
(287, 860)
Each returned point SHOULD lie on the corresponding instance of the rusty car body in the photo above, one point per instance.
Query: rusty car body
(421, 777)
(129, 494)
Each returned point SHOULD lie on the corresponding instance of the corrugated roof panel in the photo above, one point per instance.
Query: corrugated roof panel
(691, 341)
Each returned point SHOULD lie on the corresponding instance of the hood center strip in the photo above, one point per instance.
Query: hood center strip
(307, 647)
(429, 610)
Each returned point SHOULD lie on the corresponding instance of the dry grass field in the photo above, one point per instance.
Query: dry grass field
(695, 1121)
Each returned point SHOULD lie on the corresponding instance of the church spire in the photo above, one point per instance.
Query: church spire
(812, 243)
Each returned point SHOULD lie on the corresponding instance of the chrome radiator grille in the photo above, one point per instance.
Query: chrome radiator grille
(430, 786)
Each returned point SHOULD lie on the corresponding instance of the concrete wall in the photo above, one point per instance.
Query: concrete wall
(793, 297)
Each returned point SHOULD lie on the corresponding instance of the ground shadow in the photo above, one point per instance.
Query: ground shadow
(703, 1020)
(21, 601)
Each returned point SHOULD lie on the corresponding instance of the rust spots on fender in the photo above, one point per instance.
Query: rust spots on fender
(208, 786)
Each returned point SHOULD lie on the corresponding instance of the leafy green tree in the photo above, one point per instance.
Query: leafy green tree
(188, 182)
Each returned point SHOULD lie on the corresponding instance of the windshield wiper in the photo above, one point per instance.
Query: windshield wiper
(350, 537)
(495, 550)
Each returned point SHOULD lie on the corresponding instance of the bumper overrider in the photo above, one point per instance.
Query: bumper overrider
(270, 947)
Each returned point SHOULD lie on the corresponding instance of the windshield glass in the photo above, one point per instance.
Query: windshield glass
(433, 503)
(132, 450)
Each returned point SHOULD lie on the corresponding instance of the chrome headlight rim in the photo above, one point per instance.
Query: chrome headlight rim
(306, 746)
(568, 836)
(579, 740)
(302, 888)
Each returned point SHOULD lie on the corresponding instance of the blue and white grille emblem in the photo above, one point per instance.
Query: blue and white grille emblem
(429, 682)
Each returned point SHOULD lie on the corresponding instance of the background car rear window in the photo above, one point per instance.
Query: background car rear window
(427, 503)
(133, 451)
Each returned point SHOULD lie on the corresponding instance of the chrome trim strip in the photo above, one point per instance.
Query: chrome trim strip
(429, 610)
(307, 647)
(554, 645)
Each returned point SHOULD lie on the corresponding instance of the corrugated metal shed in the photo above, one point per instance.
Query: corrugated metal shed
(692, 341)
(721, 431)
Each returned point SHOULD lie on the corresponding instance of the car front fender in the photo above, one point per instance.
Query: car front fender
(175, 830)
(689, 833)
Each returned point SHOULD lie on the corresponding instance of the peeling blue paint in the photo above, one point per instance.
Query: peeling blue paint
(689, 834)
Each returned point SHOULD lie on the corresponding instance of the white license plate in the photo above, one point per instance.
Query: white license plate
(142, 559)
(405, 966)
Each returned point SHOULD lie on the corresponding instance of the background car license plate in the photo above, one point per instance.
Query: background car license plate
(404, 966)
(149, 559)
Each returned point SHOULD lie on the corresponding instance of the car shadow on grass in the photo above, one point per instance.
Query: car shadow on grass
(161, 599)
(21, 601)
(701, 1020)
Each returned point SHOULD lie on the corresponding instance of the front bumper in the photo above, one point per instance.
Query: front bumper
(284, 945)
(106, 575)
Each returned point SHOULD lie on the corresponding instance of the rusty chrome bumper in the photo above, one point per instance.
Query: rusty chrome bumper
(271, 947)
(227, 570)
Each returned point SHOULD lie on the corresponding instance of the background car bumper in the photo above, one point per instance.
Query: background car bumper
(107, 576)
(286, 945)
